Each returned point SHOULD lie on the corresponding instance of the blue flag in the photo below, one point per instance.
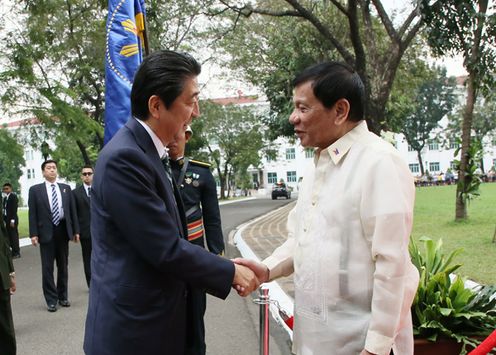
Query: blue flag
(123, 55)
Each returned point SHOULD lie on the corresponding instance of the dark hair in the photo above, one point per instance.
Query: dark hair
(87, 166)
(7, 184)
(47, 162)
(332, 81)
(162, 73)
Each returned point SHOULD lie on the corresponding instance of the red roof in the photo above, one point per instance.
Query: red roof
(22, 122)
(238, 100)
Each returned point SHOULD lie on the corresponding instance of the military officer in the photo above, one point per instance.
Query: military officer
(199, 194)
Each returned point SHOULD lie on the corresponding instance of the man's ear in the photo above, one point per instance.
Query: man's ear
(187, 135)
(154, 103)
(342, 109)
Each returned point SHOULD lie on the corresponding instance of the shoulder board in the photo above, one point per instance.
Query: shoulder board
(200, 163)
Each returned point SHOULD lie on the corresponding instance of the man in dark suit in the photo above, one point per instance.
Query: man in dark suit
(7, 288)
(199, 195)
(52, 223)
(82, 196)
(142, 264)
(11, 219)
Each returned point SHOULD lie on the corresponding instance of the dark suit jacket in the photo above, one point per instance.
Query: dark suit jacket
(6, 265)
(141, 264)
(82, 202)
(40, 214)
(11, 209)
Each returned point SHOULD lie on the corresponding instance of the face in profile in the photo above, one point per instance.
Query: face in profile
(313, 122)
(181, 112)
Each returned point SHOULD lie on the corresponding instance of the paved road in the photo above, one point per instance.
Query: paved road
(232, 325)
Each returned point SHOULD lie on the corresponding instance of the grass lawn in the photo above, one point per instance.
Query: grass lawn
(434, 218)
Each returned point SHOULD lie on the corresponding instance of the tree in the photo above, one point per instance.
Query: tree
(11, 159)
(483, 123)
(416, 111)
(54, 64)
(464, 27)
(54, 68)
(234, 140)
(360, 32)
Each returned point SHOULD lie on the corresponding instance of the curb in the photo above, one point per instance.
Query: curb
(278, 298)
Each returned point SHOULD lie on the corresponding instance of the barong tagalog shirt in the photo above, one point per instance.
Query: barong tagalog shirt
(348, 248)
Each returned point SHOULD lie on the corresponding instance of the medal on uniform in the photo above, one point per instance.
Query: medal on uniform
(196, 183)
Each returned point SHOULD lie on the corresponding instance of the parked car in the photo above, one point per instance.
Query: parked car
(280, 190)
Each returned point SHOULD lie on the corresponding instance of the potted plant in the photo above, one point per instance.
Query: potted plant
(448, 317)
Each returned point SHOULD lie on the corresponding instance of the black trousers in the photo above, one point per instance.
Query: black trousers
(13, 236)
(86, 251)
(55, 250)
(7, 335)
(197, 304)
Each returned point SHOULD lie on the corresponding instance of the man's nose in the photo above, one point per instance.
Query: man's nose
(293, 117)
(196, 110)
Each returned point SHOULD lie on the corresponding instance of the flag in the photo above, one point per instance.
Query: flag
(124, 45)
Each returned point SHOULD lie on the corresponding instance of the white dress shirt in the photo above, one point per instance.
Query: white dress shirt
(348, 246)
(48, 186)
(161, 151)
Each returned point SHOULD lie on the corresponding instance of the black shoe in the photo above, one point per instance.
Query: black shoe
(64, 303)
(16, 256)
(52, 308)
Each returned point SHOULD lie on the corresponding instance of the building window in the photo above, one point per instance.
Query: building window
(410, 149)
(433, 145)
(453, 166)
(271, 178)
(29, 155)
(434, 167)
(453, 144)
(290, 154)
(31, 174)
(414, 168)
(291, 176)
(309, 152)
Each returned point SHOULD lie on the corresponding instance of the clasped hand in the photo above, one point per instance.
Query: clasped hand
(249, 275)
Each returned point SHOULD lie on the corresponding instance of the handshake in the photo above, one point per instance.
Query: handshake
(249, 275)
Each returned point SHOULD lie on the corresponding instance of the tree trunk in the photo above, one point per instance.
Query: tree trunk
(421, 163)
(461, 207)
(84, 153)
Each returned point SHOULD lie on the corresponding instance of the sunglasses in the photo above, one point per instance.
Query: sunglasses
(86, 174)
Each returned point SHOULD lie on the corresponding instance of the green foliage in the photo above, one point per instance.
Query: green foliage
(416, 108)
(11, 159)
(445, 307)
(464, 27)
(468, 189)
(234, 139)
(271, 41)
(54, 67)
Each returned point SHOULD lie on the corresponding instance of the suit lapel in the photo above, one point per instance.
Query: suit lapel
(44, 197)
(145, 142)
(84, 195)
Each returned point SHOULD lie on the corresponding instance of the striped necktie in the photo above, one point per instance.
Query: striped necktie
(167, 168)
(55, 207)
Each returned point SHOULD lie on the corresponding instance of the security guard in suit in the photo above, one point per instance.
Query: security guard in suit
(7, 287)
(199, 194)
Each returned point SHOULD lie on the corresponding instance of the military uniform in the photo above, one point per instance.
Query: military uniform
(199, 195)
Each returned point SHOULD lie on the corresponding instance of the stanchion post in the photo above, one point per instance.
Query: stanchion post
(264, 321)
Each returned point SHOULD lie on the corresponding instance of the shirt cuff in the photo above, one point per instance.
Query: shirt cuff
(379, 344)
